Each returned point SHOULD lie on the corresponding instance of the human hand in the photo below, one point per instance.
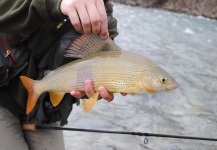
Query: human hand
(88, 16)
(90, 91)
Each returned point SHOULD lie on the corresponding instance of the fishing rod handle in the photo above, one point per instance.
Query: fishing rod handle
(29, 127)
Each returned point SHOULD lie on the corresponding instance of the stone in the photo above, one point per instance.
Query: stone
(206, 8)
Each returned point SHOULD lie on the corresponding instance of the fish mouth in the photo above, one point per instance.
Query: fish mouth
(172, 87)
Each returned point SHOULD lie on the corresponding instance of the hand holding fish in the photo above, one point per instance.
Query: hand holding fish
(89, 88)
(87, 16)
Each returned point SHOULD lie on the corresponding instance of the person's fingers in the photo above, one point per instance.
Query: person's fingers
(77, 94)
(105, 94)
(89, 88)
(94, 17)
(87, 16)
(68, 8)
(84, 17)
(103, 17)
(124, 94)
(74, 18)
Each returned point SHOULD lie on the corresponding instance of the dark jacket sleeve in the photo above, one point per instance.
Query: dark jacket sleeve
(18, 16)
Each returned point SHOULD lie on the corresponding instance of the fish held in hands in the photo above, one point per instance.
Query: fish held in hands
(103, 62)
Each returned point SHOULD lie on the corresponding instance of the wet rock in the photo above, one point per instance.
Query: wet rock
(144, 3)
(206, 8)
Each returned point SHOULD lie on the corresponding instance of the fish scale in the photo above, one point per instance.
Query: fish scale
(101, 74)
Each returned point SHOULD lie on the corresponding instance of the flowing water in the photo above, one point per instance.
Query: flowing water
(185, 46)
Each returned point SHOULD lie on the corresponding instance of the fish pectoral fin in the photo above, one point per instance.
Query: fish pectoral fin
(89, 103)
(56, 97)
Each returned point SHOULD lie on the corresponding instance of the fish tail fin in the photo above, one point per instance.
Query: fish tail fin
(33, 94)
(89, 103)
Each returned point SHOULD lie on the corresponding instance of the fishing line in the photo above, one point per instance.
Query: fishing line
(144, 135)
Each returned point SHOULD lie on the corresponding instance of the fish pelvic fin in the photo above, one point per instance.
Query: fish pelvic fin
(33, 94)
(86, 45)
(89, 103)
(56, 97)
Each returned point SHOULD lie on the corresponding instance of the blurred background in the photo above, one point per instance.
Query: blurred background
(183, 42)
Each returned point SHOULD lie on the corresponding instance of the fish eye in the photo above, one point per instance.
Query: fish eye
(163, 80)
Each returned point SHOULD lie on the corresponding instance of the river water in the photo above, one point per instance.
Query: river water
(185, 46)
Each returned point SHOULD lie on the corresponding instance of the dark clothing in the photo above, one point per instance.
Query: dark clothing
(27, 17)
(21, 16)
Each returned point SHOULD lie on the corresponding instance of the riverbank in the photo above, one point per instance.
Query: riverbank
(206, 8)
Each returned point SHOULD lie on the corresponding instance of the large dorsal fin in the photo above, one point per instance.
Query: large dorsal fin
(86, 45)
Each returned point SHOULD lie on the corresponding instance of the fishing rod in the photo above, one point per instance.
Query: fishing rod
(34, 127)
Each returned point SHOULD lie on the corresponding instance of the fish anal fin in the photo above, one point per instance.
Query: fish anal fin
(89, 103)
(33, 94)
(56, 97)
(86, 45)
